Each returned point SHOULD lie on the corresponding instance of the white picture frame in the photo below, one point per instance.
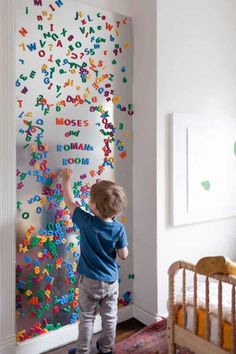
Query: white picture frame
(203, 168)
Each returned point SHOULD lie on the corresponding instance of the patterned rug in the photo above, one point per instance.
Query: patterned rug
(149, 340)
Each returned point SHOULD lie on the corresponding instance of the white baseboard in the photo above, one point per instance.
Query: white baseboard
(8, 345)
(125, 313)
(63, 336)
(143, 316)
(50, 340)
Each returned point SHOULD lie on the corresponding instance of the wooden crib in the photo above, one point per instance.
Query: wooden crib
(179, 334)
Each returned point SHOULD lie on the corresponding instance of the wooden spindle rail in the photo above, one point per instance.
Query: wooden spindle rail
(233, 321)
(220, 317)
(195, 313)
(184, 298)
(207, 310)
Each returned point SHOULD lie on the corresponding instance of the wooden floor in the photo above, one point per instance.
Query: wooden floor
(124, 331)
(127, 329)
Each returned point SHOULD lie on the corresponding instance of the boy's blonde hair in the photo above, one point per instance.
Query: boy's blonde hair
(109, 198)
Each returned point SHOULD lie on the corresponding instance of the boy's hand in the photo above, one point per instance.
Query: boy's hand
(66, 174)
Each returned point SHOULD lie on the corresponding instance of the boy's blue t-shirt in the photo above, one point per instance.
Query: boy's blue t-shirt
(99, 241)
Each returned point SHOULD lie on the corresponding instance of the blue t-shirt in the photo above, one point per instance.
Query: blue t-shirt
(99, 241)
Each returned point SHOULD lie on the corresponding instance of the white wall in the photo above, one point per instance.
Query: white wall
(196, 71)
(144, 164)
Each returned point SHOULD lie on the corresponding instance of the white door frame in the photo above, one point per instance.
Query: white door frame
(7, 177)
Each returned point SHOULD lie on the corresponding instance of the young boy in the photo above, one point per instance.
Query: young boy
(101, 239)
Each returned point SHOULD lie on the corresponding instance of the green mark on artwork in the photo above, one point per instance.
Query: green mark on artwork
(235, 148)
(206, 185)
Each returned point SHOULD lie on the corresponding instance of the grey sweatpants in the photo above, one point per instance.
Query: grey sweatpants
(91, 294)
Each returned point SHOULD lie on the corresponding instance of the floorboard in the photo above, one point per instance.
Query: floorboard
(124, 331)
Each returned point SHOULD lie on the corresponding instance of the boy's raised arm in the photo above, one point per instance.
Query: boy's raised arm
(67, 188)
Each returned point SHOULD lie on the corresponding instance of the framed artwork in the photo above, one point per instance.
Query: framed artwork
(203, 168)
